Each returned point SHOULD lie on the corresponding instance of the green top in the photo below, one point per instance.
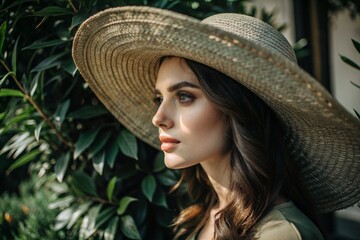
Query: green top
(286, 222)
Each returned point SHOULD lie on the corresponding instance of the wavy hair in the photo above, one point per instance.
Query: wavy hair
(261, 167)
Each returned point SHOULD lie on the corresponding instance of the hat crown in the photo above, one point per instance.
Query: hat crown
(254, 30)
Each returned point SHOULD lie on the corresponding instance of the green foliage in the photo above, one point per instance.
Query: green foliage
(349, 61)
(353, 64)
(26, 217)
(109, 184)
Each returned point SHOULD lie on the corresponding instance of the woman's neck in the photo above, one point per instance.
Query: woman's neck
(218, 172)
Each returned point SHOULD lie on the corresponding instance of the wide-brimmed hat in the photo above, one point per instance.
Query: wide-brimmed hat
(117, 51)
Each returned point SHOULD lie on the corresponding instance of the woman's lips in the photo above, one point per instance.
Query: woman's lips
(167, 146)
(167, 143)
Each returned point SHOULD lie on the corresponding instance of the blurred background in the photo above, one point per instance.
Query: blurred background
(69, 170)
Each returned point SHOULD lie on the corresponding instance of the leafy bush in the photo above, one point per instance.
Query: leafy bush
(27, 217)
(110, 184)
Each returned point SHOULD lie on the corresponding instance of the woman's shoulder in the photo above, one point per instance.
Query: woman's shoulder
(286, 222)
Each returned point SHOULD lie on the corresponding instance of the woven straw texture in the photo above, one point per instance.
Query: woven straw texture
(117, 51)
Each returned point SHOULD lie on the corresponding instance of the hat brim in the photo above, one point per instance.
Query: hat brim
(118, 50)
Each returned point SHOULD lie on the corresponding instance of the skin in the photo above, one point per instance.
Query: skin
(185, 114)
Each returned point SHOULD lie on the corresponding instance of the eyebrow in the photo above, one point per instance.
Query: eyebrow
(178, 86)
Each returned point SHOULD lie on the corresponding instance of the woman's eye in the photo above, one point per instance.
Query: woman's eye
(184, 97)
(157, 101)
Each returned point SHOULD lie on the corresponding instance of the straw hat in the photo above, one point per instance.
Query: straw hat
(117, 51)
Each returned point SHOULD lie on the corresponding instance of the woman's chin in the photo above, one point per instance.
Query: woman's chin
(173, 165)
(176, 163)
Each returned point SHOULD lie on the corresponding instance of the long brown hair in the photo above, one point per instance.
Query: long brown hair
(261, 166)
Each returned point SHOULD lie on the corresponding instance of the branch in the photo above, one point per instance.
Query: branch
(38, 109)
(72, 5)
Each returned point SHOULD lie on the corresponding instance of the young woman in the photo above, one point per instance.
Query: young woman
(263, 146)
(216, 129)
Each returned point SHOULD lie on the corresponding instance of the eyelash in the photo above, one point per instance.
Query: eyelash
(181, 97)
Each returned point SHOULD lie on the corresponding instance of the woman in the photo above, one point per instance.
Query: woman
(263, 145)
(239, 158)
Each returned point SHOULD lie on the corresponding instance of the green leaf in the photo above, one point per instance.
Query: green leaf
(70, 67)
(59, 188)
(167, 178)
(61, 166)
(38, 130)
(77, 20)
(110, 230)
(26, 144)
(23, 160)
(62, 110)
(52, 11)
(110, 188)
(2, 35)
(104, 216)
(48, 62)
(16, 3)
(357, 114)
(21, 119)
(161, 4)
(127, 144)
(300, 44)
(99, 143)
(124, 203)
(111, 153)
(35, 82)
(62, 202)
(129, 228)
(87, 227)
(350, 62)
(84, 141)
(77, 213)
(160, 198)
(2, 115)
(148, 187)
(7, 92)
(45, 44)
(15, 141)
(356, 45)
(63, 218)
(172, 4)
(14, 57)
(5, 77)
(142, 209)
(84, 183)
(98, 161)
(159, 162)
(88, 112)
(356, 85)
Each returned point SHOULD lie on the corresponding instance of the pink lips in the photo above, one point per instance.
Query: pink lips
(167, 143)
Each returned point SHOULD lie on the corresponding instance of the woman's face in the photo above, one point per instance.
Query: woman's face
(191, 128)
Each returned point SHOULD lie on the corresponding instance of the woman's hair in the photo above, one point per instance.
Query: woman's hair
(261, 168)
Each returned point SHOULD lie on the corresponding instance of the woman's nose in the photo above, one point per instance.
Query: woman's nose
(162, 118)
